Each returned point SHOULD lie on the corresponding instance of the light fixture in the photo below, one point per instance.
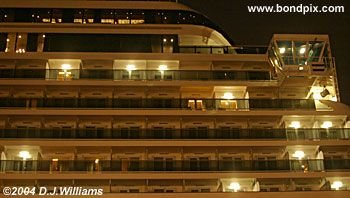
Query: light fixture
(228, 96)
(326, 124)
(235, 186)
(172, 40)
(55, 160)
(97, 161)
(301, 68)
(325, 92)
(299, 154)
(24, 155)
(130, 67)
(282, 50)
(295, 124)
(302, 50)
(336, 185)
(19, 36)
(8, 40)
(164, 40)
(66, 66)
(162, 67)
(44, 36)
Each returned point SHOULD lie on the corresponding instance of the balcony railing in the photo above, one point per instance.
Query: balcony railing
(150, 103)
(174, 165)
(152, 75)
(223, 49)
(178, 134)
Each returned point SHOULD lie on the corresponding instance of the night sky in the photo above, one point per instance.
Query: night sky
(247, 28)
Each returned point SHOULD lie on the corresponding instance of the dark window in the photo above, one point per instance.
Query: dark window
(32, 42)
(3, 42)
(23, 15)
(107, 43)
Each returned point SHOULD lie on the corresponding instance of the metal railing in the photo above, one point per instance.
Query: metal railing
(174, 165)
(152, 103)
(223, 49)
(177, 134)
(104, 74)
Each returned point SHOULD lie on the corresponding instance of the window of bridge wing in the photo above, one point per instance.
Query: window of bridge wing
(6, 15)
(122, 17)
(84, 16)
(137, 16)
(23, 15)
(108, 16)
(184, 17)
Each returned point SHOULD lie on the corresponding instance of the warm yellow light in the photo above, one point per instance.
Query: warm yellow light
(55, 160)
(282, 50)
(19, 36)
(24, 155)
(336, 185)
(130, 67)
(97, 161)
(327, 124)
(8, 40)
(66, 66)
(299, 154)
(317, 96)
(301, 68)
(235, 186)
(162, 67)
(228, 96)
(302, 50)
(295, 124)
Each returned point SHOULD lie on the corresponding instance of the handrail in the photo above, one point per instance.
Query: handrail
(234, 134)
(177, 165)
(159, 103)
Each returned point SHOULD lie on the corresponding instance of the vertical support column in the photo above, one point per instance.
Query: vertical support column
(10, 42)
(41, 42)
(21, 42)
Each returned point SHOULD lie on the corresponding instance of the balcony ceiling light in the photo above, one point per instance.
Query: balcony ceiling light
(130, 67)
(228, 96)
(302, 50)
(336, 185)
(66, 66)
(299, 154)
(24, 155)
(327, 124)
(162, 67)
(295, 124)
(282, 50)
(235, 186)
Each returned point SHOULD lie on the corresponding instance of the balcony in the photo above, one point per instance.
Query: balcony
(149, 75)
(197, 165)
(179, 134)
(150, 103)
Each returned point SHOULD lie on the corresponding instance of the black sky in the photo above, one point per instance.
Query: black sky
(247, 28)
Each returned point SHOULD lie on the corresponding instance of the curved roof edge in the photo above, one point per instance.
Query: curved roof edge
(163, 5)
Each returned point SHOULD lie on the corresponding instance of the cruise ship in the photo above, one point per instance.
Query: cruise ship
(151, 99)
